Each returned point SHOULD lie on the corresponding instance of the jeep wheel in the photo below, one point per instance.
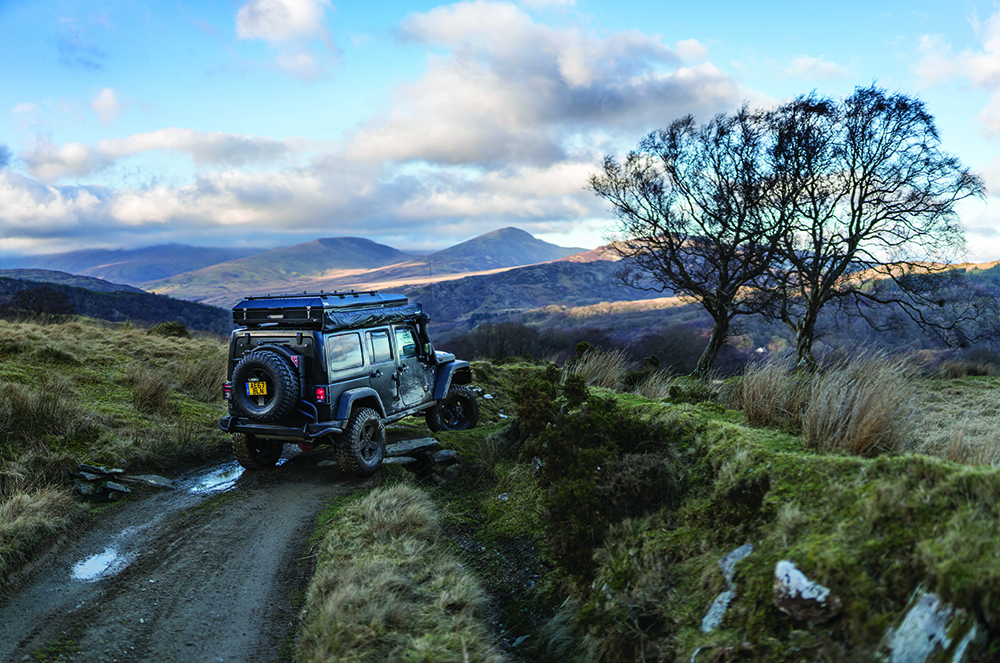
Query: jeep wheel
(458, 410)
(362, 446)
(256, 454)
(280, 386)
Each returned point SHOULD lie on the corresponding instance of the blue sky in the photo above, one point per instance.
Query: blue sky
(418, 124)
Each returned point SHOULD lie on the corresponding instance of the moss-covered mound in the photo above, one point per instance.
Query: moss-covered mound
(628, 505)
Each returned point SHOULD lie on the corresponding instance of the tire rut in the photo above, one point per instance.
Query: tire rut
(193, 574)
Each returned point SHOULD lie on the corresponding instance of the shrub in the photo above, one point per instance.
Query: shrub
(170, 330)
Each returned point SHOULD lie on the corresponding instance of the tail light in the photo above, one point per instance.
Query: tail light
(227, 390)
(321, 396)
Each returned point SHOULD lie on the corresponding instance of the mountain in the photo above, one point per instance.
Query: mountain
(279, 270)
(133, 266)
(62, 278)
(351, 263)
(556, 284)
(106, 301)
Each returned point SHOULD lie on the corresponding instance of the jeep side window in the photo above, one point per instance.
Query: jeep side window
(343, 351)
(406, 341)
(381, 348)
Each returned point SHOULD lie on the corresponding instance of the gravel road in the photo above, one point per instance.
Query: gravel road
(205, 571)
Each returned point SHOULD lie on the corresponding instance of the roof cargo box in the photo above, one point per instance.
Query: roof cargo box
(324, 310)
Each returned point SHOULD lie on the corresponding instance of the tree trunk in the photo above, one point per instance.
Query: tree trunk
(707, 360)
(804, 337)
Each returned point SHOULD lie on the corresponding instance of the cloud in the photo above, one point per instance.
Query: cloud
(510, 89)
(107, 107)
(281, 20)
(50, 163)
(981, 66)
(808, 68)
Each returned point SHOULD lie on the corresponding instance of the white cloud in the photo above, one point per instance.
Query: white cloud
(691, 50)
(809, 68)
(939, 64)
(281, 20)
(107, 107)
(50, 163)
(509, 89)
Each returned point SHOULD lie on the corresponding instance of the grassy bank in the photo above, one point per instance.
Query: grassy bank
(80, 390)
(597, 520)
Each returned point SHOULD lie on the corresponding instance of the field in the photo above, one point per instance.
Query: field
(593, 508)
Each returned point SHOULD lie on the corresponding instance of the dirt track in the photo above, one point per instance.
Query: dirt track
(206, 571)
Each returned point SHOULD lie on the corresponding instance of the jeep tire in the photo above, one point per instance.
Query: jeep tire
(254, 453)
(282, 386)
(361, 446)
(459, 410)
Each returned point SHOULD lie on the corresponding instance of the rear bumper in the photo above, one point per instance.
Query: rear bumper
(305, 433)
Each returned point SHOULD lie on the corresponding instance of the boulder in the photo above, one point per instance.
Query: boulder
(932, 631)
(800, 598)
(717, 610)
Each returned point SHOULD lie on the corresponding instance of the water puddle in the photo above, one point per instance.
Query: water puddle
(219, 479)
(102, 565)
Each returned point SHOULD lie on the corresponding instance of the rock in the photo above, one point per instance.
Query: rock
(801, 598)
(83, 467)
(933, 631)
(407, 446)
(86, 488)
(446, 456)
(399, 460)
(150, 480)
(717, 610)
(326, 463)
(88, 476)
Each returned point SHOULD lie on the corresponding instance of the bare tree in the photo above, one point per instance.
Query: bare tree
(694, 216)
(870, 200)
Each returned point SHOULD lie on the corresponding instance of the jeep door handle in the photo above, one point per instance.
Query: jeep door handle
(377, 374)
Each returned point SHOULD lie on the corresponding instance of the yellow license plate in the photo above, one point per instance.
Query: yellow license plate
(256, 388)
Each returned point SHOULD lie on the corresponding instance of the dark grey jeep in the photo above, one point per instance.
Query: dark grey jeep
(334, 369)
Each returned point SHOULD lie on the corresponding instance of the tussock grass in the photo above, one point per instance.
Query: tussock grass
(151, 388)
(387, 590)
(26, 518)
(864, 408)
(601, 369)
(655, 386)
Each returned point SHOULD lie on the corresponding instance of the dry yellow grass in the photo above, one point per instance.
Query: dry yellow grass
(386, 589)
(601, 369)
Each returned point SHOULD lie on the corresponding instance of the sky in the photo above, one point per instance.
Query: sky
(266, 123)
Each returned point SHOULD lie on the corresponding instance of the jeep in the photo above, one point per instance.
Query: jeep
(335, 368)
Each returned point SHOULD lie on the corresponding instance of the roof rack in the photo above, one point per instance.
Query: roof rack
(308, 309)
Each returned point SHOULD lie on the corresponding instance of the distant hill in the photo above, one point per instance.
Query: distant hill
(133, 266)
(108, 301)
(62, 278)
(560, 283)
(277, 271)
(348, 262)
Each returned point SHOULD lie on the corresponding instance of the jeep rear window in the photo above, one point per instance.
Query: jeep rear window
(343, 351)
(381, 348)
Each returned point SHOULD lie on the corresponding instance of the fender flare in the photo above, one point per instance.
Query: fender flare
(456, 371)
(347, 400)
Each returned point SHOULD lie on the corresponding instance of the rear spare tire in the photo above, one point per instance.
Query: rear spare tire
(361, 446)
(255, 453)
(271, 376)
(458, 410)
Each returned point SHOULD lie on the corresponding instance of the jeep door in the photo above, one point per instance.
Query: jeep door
(413, 380)
(382, 368)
